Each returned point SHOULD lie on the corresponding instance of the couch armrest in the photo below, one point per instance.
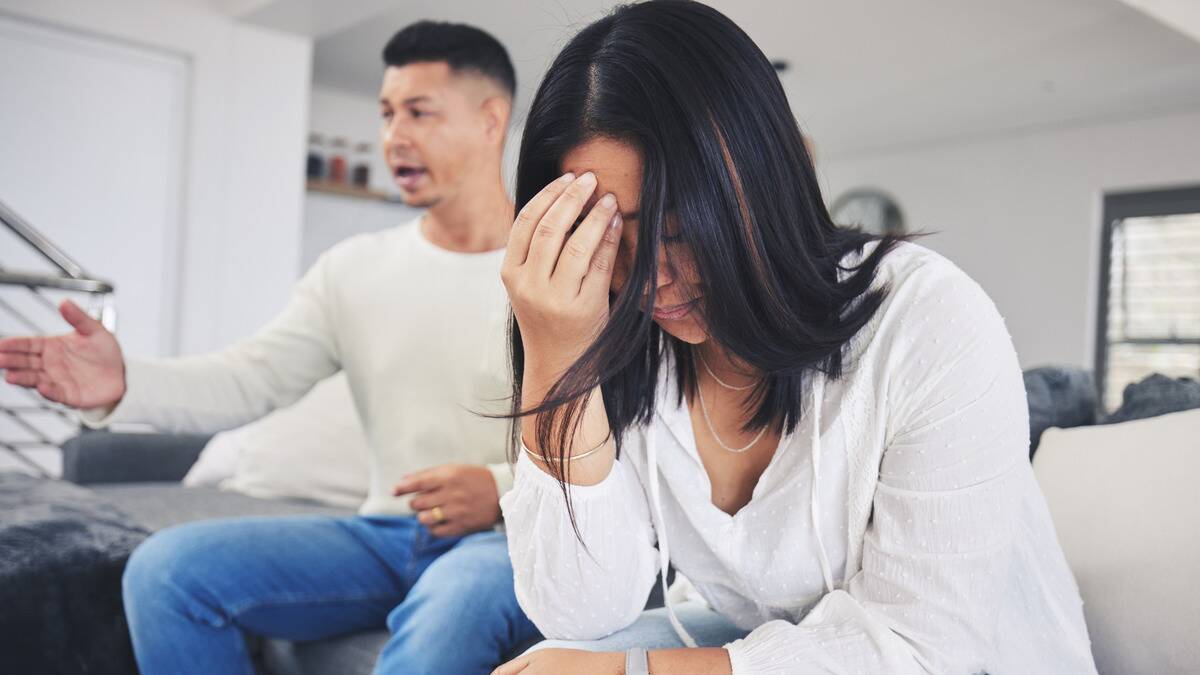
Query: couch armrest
(107, 457)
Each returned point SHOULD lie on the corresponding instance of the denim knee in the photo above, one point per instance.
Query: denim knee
(162, 574)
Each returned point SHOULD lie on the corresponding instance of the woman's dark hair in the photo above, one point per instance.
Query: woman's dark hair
(464, 48)
(723, 156)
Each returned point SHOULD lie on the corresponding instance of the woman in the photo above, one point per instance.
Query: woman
(824, 431)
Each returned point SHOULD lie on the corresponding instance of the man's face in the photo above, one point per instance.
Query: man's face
(434, 130)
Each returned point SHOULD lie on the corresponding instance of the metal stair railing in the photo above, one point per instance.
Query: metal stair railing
(30, 414)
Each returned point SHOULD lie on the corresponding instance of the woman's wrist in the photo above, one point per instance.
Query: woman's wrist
(693, 661)
(546, 363)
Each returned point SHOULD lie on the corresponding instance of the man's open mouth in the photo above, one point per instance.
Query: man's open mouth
(407, 177)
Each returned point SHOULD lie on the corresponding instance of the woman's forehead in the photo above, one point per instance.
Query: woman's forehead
(617, 166)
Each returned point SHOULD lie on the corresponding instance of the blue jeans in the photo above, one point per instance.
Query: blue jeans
(653, 630)
(193, 591)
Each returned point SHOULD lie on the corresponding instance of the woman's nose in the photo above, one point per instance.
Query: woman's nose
(665, 274)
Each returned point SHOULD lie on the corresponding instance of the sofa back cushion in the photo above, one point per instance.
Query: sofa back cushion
(1124, 504)
(313, 450)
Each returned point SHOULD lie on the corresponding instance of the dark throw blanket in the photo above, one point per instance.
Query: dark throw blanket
(62, 552)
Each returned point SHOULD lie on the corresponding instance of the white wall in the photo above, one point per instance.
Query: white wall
(93, 137)
(246, 124)
(1021, 213)
(330, 218)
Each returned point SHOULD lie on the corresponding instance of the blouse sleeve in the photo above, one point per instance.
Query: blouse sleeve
(938, 548)
(568, 591)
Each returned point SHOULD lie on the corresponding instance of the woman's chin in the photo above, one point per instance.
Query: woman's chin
(687, 330)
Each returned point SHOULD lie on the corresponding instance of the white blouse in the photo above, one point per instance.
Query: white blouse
(907, 535)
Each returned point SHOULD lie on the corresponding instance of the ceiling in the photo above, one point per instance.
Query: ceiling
(867, 75)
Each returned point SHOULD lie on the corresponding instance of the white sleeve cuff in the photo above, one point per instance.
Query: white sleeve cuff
(133, 405)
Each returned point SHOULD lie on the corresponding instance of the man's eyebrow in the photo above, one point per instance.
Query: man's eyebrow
(408, 101)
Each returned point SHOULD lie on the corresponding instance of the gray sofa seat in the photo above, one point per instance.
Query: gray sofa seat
(156, 505)
(140, 473)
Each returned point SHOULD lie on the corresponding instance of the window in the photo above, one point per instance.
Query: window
(1149, 310)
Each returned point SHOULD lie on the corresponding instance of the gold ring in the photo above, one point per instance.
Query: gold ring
(439, 516)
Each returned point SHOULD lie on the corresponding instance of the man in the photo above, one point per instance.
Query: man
(415, 316)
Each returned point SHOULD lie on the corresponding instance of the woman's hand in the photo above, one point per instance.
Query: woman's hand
(562, 661)
(558, 284)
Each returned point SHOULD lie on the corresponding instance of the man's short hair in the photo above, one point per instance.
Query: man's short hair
(464, 48)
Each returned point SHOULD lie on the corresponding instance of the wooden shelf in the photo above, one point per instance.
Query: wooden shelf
(346, 190)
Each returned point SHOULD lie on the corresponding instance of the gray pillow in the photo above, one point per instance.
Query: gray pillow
(1156, 395)
(1058, 397)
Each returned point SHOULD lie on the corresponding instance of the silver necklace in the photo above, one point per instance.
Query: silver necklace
(713, 431)
(721, 382)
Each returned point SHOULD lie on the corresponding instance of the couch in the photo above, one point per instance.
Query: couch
(139, 474)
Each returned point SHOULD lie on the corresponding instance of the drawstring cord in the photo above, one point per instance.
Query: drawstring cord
(818, 390)
(664, 552)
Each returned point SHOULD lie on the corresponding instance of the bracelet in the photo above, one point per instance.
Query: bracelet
(546, 460)
(636, 662)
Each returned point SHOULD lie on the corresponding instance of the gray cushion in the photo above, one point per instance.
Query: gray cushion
(111, 457)
(158, 505)
(1156, 395)
(155, 506)
(1058, 397)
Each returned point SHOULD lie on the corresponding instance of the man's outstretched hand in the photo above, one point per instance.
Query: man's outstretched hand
(82, 369)
(453, 499)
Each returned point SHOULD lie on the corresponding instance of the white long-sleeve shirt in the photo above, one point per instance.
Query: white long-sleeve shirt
(898, 530)
(420, 332)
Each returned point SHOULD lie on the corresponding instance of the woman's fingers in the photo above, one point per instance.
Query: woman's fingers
(527, 220)
(549, 234)
(512, 667)
(581, 247)
(599, 273)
